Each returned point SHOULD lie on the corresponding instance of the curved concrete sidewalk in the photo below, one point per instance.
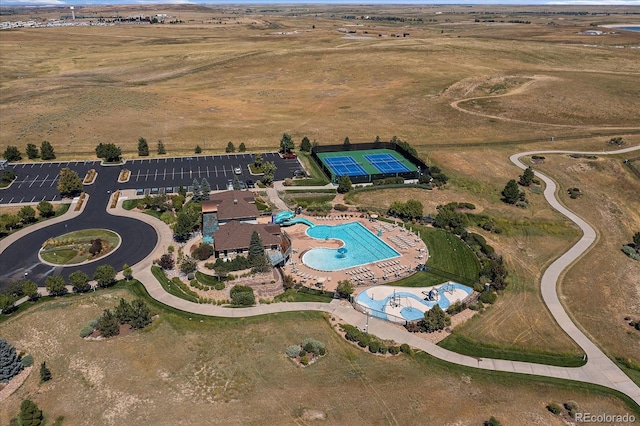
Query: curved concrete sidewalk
(598, 370)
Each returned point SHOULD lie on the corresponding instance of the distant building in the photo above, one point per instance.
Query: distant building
(592, 32)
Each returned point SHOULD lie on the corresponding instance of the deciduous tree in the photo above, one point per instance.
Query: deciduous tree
(69, 182)
(45, 209)
(104, 275)
(30, 289)
(79, 281)
(55, 285)
(345, 288)
(109, 152)
(27, 214)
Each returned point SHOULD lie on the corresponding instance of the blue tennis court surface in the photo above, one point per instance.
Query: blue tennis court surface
(341, 166)
(386, 163)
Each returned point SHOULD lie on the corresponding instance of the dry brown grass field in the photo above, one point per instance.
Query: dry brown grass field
(603, 286)
(229, 75)
(236, 372)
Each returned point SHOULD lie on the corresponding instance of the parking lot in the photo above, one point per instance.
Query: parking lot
(36, 182)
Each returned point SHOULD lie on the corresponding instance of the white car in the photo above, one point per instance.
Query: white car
(237, 171)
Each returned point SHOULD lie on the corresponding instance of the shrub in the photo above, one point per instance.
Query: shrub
(631, 252)
(312, 345)
(340, 207)
(27, 361)
(242, 295)
(488, 297)
(554, 408)
(572, 407)
(405, 349)
(304, 360)
(166, 261)
(293, 351)
(383, 349)
(394, 350)
(492, 422)
(219, 285)
(374, 346)
(202, 252)
(86, 331)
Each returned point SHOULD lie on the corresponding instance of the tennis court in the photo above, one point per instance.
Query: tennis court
(366, 164)
(387, 163)
(346, 165)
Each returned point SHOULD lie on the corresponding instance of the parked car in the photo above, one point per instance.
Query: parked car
(230, 185)
(289, 155)
(242, 184)
(238, 170)
(250, 183)
(299, 173)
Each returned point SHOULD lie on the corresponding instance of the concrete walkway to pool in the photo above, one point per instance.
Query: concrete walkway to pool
(598, 370)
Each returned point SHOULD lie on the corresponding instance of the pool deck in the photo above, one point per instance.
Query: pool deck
(412, 251)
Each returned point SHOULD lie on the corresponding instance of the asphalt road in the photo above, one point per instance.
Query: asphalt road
(138, 238)
(36, 182)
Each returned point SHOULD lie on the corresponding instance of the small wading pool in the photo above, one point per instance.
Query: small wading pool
(362, 247)
(400, 304)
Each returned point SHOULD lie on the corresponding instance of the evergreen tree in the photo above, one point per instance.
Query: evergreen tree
(46, 151)
(12, 153)
(10, 364)
(30, 414)
(143, 147)
(124, 312)
(198, 149)
(636, 240)
(197, 191)
(258, 162)
(242, 147)
(526, 178)
(55, 285)
(32, 151)
(45, 373)
(256, 256)
(346, 144)
(161, 148)
(69, 182)
(141, 314)
(344, 184)
(286, 144)
(108, 324)
(305, 145)
(230, 147)
(206, 189)
(511, 193)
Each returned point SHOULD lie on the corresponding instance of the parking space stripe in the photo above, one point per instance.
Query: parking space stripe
(216, 170)
(34, 181)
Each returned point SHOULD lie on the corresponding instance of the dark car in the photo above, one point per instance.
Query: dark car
(289, 155)
(242, 184)
(250, 183)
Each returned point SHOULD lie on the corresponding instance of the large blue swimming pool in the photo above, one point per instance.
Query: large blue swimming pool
(362, 247)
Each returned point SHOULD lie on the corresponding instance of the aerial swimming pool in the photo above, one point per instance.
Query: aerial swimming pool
(362, 247)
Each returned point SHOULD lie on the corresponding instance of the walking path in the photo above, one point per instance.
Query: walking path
(599, 369)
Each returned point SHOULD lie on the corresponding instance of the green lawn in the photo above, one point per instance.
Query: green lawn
(449, 257)
(130, 204)
(73, 248)
(304, 294)
(170, 287)
(463, 345)
(206, 279)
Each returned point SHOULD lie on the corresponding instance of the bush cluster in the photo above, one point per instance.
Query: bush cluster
(203, 252)
(313, 346)
(238, 263)
(340, 207)
(242, 295)
(364, 340)
(388, 181)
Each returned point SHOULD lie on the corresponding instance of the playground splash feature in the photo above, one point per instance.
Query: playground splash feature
(342, 252)
(400, 304)
(289, 218)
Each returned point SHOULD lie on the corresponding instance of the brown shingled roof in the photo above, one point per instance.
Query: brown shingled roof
(235, 235)
(232, 205)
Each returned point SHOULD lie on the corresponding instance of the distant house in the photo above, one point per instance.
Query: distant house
(592, 32)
